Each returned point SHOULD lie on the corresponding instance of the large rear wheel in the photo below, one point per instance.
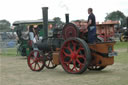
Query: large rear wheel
(75, 55)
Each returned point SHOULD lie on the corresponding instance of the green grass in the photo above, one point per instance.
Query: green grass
(122, 57)
(120, 45)
(9, 52)
(122, 48)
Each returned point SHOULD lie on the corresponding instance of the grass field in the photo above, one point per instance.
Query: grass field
(9, 52)
(121, 45)
(14, 71)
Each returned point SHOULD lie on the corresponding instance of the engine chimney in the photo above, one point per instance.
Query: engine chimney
(67, 18)
(127, 22)
(45, 21)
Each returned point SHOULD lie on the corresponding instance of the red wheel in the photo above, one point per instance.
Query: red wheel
(96, 68)
(35, 61)
(75, 56)
(49, 62)
(70, 30)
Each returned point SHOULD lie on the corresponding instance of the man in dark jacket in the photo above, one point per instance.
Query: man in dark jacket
(91, 26)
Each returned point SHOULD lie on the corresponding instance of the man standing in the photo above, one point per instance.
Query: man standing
(91, 26)
(31, 32)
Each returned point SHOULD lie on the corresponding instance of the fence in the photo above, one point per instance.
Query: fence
(5, 43)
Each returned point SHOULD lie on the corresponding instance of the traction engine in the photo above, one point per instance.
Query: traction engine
(71, 51)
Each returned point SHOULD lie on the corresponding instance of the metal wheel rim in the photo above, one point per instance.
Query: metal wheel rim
(77, 57)
(70, 30)
(35, 62)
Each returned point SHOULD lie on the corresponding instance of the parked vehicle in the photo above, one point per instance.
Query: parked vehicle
(23, 40)
(124, 36)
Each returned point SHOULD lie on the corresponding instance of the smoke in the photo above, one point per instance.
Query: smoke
(63, 5)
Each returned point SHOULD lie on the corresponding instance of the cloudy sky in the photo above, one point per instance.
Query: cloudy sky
(13, 10)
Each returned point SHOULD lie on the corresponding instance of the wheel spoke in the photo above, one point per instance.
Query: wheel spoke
(81, 66)
(48, 63)
(74, 65)
(69, 48)
(73, 68)
(32, 62)
(81, 56)
(74, 46)
(68, 61)
(32, 59)
(79, 50)
(38, 65)
(52, 63)
(79, 62)
(35, 66)
(76, 69)
(66, 54)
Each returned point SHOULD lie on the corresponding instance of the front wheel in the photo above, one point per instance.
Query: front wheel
(75, 56)
(35, 61)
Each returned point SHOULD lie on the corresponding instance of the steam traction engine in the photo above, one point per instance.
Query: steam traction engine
(71, 50)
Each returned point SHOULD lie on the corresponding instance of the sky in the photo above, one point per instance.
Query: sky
(13, 10)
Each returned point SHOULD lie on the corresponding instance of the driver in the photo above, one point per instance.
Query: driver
(91, 26)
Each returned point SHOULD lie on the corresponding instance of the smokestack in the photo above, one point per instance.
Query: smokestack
(67, 18)
(45, 21)
(127, 22)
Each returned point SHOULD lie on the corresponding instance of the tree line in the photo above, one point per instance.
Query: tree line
(4, 25)
(117, 16)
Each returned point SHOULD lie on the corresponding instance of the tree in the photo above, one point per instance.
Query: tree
(58, 22)
(117, 16)
(4, 25)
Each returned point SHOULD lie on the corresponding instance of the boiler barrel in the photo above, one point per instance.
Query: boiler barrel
(49, 44)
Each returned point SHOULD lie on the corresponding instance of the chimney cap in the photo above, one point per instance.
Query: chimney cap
(44, 7)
